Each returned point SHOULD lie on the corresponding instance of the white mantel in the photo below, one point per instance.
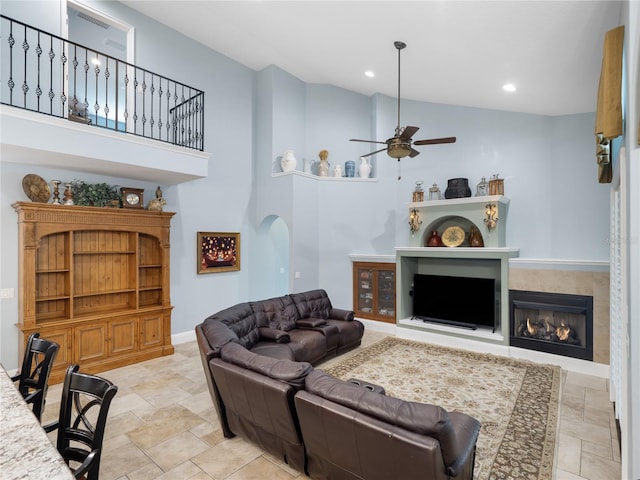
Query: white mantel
(465, 212)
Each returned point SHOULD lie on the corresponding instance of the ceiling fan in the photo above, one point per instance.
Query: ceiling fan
(400, 145)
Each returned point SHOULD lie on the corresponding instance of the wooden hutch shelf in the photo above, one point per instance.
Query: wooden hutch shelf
(96, 281)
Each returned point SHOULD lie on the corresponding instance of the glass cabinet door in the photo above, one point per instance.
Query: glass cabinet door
(365, 279)
(374, 291)
(386, 293)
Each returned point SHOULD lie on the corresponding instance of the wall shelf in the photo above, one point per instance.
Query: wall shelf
(322, 179)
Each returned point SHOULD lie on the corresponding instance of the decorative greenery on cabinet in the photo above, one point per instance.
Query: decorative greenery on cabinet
(94, 194)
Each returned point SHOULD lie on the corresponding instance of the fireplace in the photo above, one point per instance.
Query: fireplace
(555, 323)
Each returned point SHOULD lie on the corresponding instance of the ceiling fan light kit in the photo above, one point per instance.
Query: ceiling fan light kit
(401, 144)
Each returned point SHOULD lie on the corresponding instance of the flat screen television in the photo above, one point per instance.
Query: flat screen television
(461, 301)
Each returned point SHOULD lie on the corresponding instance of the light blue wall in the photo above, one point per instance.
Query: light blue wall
(557, 209)
(221, 202)
(547, 164)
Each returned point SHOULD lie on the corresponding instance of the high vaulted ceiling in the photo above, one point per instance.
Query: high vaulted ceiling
(458, 52)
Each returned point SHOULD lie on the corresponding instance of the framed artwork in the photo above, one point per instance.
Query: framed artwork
(218, 252)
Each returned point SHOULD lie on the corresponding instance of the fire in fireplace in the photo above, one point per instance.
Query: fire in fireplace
(555, 323)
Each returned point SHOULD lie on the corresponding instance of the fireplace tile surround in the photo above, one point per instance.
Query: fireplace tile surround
(590, 280)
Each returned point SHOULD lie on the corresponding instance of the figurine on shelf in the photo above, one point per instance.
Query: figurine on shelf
(323, 168)
(157, 203)
(68, 194)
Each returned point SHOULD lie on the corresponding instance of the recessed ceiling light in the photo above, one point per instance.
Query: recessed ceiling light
(509, 87)
(369, 74)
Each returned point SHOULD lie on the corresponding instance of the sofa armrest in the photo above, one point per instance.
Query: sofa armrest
(286, 371)
(274, 335)
(341, 314)
(206, 351)
(310, 322)
(464, 442)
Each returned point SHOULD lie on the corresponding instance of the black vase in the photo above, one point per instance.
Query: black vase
(457, 188)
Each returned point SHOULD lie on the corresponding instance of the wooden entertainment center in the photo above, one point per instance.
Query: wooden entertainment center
(97, 282)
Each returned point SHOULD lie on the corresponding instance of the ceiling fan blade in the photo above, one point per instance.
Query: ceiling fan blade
(413, 153)
(408, 132)
(367, 141)
(373, 153)
(435, 141)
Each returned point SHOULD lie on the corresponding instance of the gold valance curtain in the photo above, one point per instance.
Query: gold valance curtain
(609, 110)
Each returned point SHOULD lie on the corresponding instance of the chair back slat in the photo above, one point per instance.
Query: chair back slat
(33, 378)
(83, 417)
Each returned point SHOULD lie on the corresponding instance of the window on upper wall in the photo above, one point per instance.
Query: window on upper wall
(103, 37)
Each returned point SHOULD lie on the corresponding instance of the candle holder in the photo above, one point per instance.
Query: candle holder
(56, 191)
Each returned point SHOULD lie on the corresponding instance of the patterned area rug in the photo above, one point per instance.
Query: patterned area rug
(516, 401)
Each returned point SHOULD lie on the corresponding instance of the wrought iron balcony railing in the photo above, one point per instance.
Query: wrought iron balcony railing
(48, 74)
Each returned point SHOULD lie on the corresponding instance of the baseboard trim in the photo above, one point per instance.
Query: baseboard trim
(183, 337)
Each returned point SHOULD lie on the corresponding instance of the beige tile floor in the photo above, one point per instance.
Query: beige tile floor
(162, 425)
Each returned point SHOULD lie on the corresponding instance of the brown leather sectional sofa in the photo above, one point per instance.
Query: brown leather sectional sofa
(301, 327)
(258, 358)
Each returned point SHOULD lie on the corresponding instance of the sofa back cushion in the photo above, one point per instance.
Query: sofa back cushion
(292, 373)
(279, 313)
(314, 303)
(424, 419)
(241, 323)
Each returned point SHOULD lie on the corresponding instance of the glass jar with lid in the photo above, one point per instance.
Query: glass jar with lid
(418, 192)
(434, 192)
(482, 189)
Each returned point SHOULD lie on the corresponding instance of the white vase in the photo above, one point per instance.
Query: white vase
(337, 171)
(288, 162)
(364, 169)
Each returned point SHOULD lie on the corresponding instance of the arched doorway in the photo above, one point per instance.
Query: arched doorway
(271, 276)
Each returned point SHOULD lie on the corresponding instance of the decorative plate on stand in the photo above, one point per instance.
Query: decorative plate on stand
(36, 188)
(453, 236)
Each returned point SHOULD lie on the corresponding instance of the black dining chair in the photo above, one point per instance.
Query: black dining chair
(33, 378)
(83, 418)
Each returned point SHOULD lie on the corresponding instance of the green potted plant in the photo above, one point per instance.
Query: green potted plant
(94, 194)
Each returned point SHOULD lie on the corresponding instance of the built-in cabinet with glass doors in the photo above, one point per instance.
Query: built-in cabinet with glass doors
(374, 291)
